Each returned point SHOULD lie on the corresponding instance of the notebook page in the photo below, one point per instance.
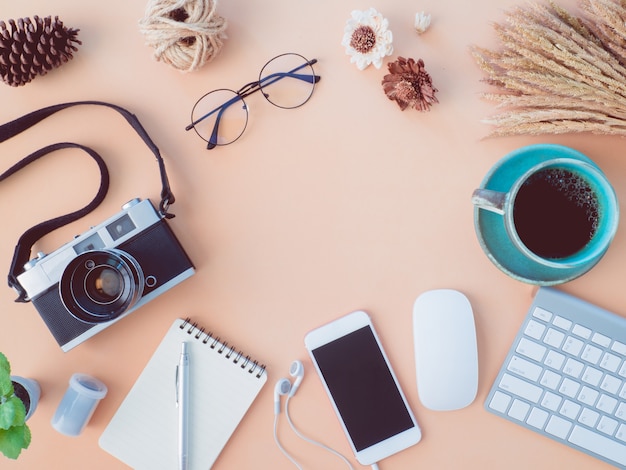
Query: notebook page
(143, 433)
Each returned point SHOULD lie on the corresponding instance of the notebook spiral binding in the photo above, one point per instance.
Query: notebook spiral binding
(222, 347)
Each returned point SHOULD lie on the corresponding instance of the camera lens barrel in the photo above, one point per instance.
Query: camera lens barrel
(100, 285)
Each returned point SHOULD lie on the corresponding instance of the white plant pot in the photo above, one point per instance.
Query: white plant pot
(28, 391)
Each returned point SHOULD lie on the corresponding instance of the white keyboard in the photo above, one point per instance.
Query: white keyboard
(565, 376)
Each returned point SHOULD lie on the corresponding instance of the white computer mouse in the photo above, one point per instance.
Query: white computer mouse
(446, 356)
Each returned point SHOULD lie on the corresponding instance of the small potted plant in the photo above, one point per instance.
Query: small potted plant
(18, 399)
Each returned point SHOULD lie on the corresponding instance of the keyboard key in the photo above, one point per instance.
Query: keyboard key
(542, 314)
(606, 404)
(500, 402)
(531, 349)
(572, 346)
(592, 376)
(554, 360)
(621, 411)
(569, 387)
(519, 410)
(610, 362)
(602, 340)
(588, 396)
(554, 338)
(622, 371)
(622, 393)
(591, 354)
(524, 368)
(521, 388)
(551, 401)
(558, 427)
(598, 444)
(550, 380)
(534, 329)
(562, 323)
(537, 418)
(611, 384)
(570, 409)
(621, 433)
(589, 417)
(619, 348)
(581, 331)
(573, 368)
(607, 425)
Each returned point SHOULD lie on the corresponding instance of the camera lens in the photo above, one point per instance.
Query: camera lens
(99, 286)
(104, 285)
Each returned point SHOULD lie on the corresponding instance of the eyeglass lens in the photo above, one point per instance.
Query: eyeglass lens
(220, 117)
(226, 117)
(287, 81)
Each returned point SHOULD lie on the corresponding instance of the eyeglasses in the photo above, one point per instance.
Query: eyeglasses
(220, 117)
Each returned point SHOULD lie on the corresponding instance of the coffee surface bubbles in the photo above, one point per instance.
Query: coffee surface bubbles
(555, 213)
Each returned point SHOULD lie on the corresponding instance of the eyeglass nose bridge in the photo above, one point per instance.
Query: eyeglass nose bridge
(249, 88)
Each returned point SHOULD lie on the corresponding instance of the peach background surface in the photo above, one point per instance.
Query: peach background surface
(346, 203)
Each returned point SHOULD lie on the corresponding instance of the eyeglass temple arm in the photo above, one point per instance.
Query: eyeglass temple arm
(212, 143)
(219, 110)
(253, 87)
(291, 74)
(279, 75)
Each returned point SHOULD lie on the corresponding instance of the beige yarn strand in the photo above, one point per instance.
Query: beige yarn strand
(185, 34)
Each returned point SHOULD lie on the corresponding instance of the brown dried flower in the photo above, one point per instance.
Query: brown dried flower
(409, 84)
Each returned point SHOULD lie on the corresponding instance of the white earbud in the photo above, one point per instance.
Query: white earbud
(296, 370)
(281, 388)
(284, 387)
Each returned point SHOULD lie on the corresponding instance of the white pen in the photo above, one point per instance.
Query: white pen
(182, 402)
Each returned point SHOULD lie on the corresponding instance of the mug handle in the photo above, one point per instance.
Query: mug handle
(487, 199)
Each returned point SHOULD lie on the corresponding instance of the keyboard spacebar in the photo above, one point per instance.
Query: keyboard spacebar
(601, 445)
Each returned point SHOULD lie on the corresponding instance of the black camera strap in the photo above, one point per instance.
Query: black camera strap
(25, 243)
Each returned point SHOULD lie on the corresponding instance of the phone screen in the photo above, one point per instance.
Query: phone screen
(364, 391)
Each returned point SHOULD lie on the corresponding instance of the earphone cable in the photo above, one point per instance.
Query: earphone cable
(312, 441)
(282, 449)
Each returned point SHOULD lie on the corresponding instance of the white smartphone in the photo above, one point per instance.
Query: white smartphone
(362, 387)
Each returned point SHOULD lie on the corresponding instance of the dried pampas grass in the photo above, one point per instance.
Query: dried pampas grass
(559, 73)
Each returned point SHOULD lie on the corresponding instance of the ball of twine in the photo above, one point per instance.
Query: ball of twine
(185, 34)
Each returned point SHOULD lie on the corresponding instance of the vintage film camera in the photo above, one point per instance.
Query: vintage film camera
(106, 273)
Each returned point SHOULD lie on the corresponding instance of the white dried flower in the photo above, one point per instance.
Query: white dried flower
(367, 38)
(422, 22)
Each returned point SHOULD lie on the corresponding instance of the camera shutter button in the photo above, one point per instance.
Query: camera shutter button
(131, 203)
(33, 262)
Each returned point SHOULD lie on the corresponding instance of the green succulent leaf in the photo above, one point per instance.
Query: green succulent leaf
(6, 386)
(13, 440)
(12, 413)
(4, 364)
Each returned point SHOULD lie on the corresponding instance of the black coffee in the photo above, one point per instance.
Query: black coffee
(555, 213)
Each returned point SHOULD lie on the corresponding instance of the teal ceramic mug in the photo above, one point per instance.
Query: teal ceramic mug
(545, 214)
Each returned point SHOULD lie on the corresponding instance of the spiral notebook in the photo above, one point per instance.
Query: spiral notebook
(224, 382)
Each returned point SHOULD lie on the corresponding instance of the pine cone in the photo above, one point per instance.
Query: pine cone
(34, 48)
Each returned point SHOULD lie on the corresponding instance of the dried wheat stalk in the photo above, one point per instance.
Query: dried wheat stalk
(559, 73)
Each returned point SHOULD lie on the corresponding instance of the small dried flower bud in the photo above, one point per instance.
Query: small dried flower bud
(422, 22)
